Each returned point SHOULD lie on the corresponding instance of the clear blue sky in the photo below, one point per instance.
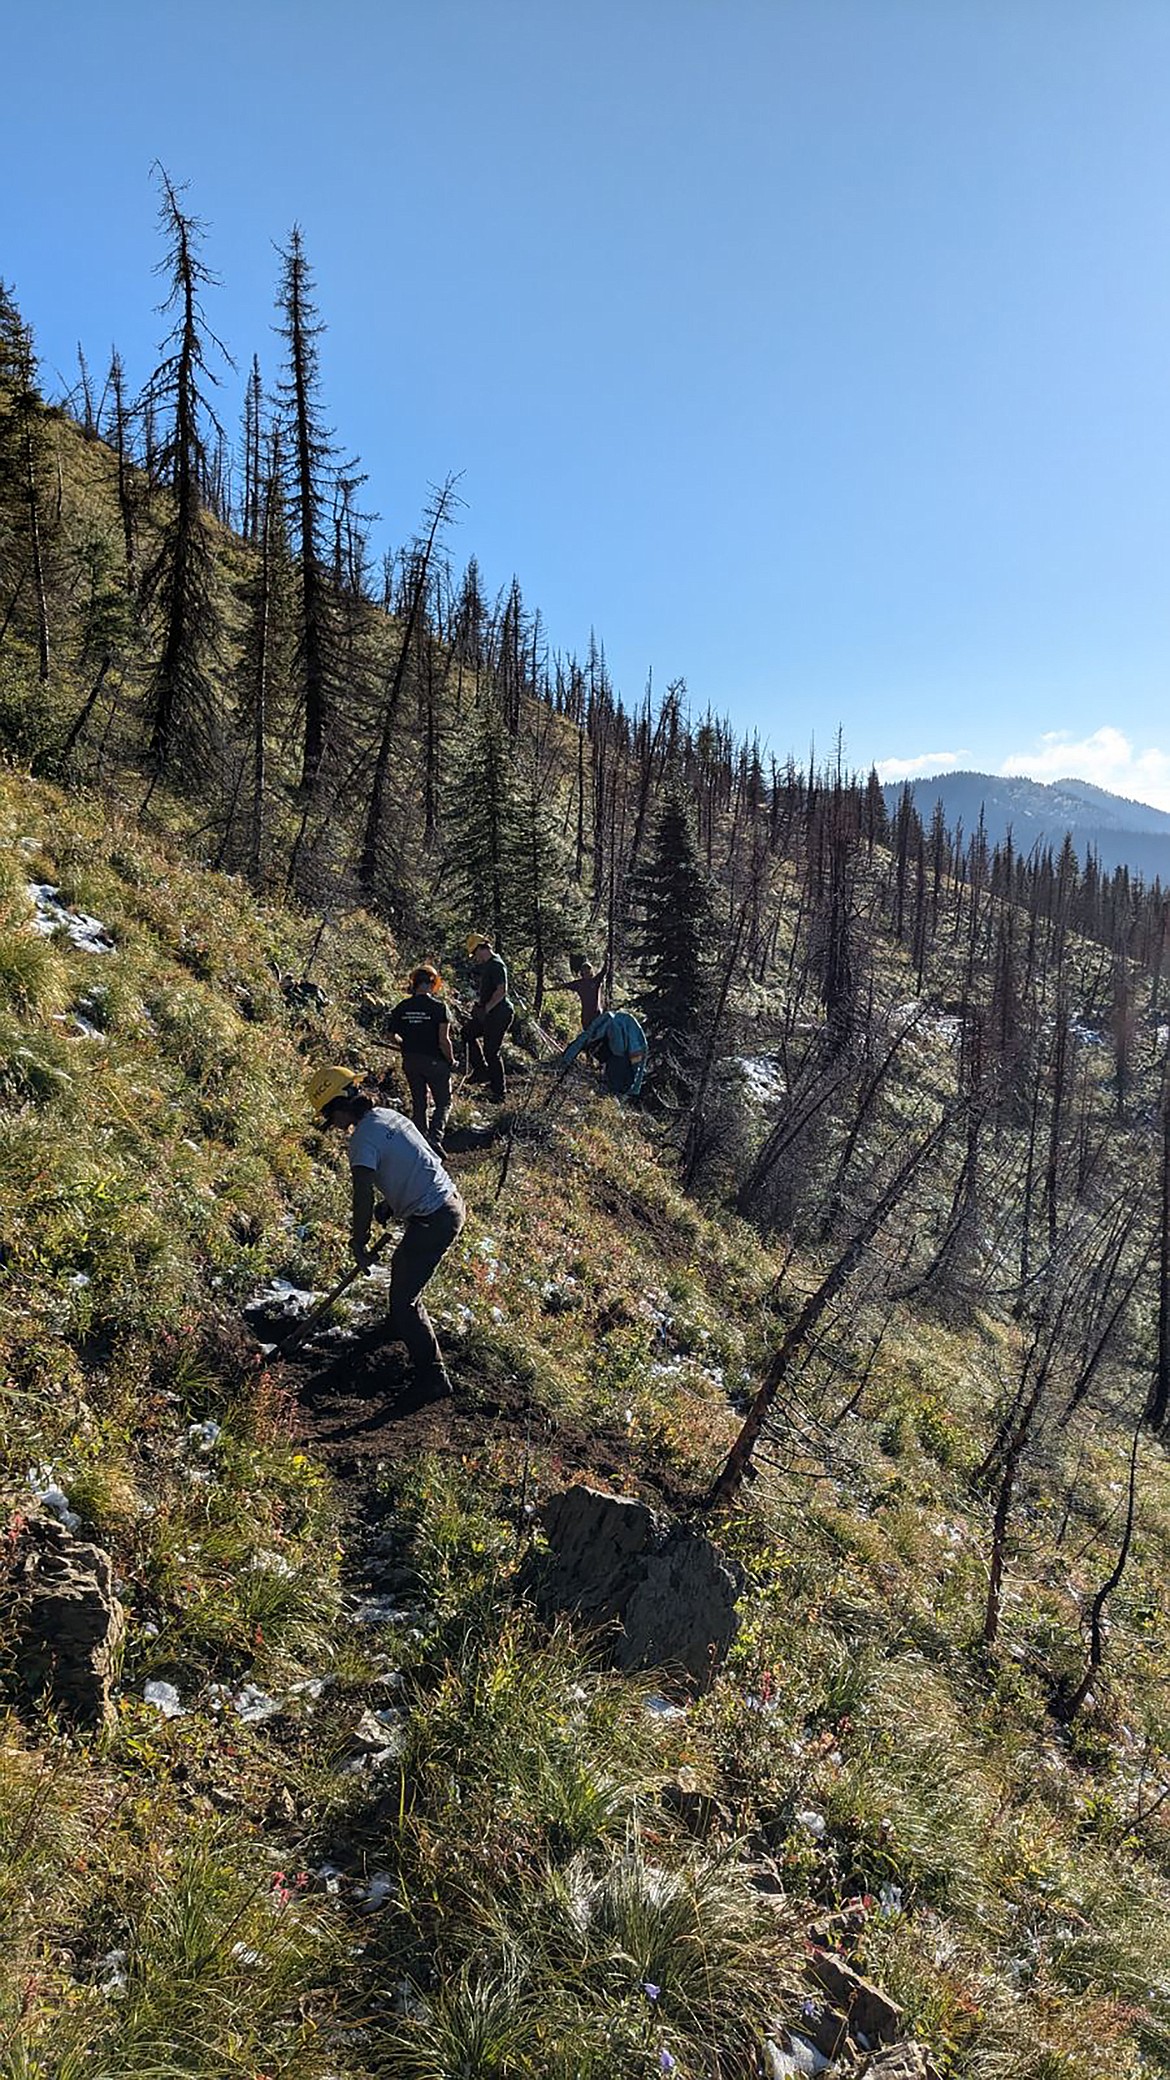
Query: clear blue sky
(816, 351)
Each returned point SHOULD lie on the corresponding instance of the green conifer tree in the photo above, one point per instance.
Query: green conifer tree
(486, 812)
(24, 605)
(674, 942)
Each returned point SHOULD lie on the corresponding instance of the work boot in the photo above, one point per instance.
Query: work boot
(434, 1386)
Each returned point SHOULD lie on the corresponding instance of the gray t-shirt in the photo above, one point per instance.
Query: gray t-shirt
(409, 1174)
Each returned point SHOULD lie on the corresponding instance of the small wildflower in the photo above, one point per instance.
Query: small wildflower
(650, 1990)
(665, 2061)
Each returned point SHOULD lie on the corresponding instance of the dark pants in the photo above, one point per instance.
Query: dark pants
(428, 1079)
(485, 1037)
(426, 1241)
(619, 1074)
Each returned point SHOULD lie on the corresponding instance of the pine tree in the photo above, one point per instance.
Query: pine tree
(674, 938)
(311, 452)
(23, 523)
(118, 435)
(266, 659)
(486, 811)
(182, 580)
(548, 917)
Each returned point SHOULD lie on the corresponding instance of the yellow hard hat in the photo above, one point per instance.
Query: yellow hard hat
(323, 1085)
(475, 939)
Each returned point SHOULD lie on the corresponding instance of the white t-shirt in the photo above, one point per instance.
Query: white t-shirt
(409, 1174)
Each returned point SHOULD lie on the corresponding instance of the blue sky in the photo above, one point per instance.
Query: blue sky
(815, 351)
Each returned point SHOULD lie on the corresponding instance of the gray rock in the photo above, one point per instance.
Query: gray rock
(869, 2012)
(69, 1622)
(664, 1590)
(908, 2061)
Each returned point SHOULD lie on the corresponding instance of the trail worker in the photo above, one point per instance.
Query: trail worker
(422, 1023)
(491, 1015)
(587, 984)
(615, 1039)
(390, 1163)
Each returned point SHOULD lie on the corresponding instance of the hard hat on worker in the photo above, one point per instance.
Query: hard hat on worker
(323, 1085)
(475, 940)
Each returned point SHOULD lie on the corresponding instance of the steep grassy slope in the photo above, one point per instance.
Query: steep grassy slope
(247, 1887)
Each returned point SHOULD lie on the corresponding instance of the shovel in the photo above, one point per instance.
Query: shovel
(300, 1329)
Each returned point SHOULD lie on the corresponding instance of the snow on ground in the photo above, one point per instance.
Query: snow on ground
(762, 1077)
(88, 934)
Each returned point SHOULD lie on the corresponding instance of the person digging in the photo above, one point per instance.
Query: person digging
(491, 1015)
(395, 1176)
(422, 1023)
(617, 1041)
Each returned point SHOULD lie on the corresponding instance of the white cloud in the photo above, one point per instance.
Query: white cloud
(926, 765)
(1107, 757)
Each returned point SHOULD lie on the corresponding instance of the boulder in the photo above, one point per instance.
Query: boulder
(869, 2012)
(69, 1622)
(908, 2061)
(663, 1590)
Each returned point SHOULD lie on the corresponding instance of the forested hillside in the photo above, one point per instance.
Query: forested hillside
(873, 1291)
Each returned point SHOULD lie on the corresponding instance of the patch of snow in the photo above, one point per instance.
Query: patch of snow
(51, 915)
(805, 2056)
(309, 1686)
(661, 1708)
(203, 1435)
(266, 1562)
(243, 1955)
(378, 1893)
(380, 1610)
(281, 1296)
(813, 1823)
(254, 1705)
(52, 1497)
(762, 1077)
(165, 1699)
(110, 1976)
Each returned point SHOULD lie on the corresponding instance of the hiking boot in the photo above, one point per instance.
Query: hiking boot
(435, 1386)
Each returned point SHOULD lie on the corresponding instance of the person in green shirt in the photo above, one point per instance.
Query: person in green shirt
(491, 1015)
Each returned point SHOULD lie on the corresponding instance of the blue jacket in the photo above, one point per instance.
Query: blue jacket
(622, 1036)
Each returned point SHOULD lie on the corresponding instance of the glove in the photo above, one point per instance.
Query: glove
(361, 1253)
(383, 1213)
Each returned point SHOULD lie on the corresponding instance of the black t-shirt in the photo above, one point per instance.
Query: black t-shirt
(492, 976)
(417, 1022)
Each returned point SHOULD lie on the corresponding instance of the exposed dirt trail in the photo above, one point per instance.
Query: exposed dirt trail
(354, 1406)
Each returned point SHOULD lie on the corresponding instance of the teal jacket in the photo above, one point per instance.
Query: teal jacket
(622, 1036)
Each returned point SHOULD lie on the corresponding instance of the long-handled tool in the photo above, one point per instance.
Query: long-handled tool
(293, 1336)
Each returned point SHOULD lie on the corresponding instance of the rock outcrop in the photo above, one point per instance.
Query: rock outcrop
(663, 1590)
(867, 2012)
(68, 1621)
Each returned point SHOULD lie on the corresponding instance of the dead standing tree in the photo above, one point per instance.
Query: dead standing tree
(731, 1478)
(183, 576)
(439, 513)
(1067, 1337)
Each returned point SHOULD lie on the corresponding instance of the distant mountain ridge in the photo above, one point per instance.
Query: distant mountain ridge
(1120, 832)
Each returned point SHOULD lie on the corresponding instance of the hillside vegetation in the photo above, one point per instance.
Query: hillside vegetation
(901, 1188)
